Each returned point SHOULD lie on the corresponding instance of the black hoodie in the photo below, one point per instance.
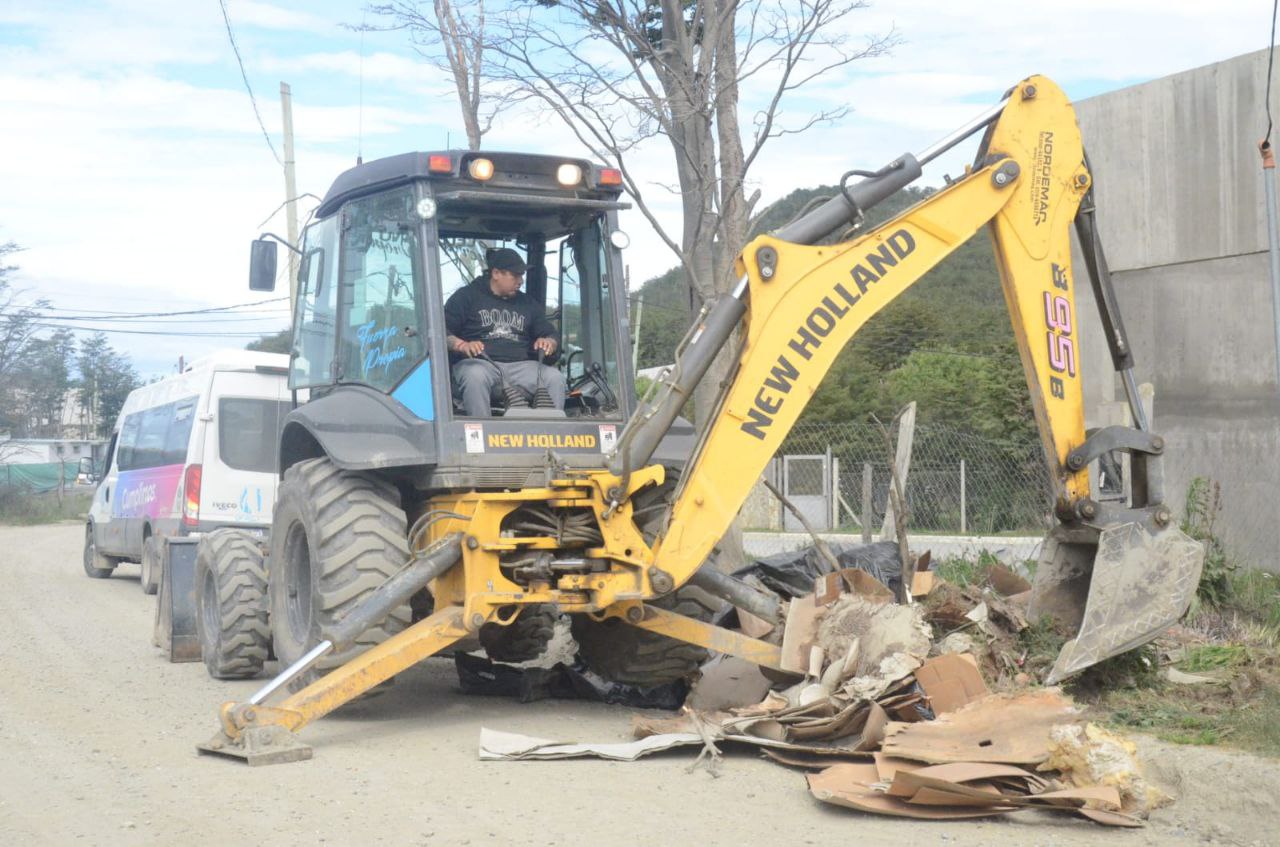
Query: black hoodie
(508, 326)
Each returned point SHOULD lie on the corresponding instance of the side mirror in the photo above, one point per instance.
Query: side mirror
(86, 469)
(262, 265)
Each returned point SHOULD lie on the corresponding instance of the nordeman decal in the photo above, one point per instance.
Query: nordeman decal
(541, 441)
(822, 319)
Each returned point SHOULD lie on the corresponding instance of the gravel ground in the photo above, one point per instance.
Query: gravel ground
(97, 736)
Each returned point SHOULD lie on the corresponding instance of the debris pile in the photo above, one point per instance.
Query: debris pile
(887, 705)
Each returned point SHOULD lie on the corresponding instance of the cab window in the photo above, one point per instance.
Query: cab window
(312, 361)
(382, 337)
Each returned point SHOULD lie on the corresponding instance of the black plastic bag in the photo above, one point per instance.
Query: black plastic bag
(482, 676)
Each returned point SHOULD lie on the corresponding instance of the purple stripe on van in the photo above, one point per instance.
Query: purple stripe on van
(148, 492)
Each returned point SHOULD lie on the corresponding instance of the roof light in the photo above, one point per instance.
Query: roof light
(610, 176)
(440, 163)
(568, 174)
(481, 169)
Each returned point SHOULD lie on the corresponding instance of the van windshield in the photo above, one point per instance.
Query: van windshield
(249, 433)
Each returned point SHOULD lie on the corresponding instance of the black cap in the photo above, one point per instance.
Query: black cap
(505, 259)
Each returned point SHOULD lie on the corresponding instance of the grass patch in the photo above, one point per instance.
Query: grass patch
(1211, 657)
(1181, 717)
(27, 509)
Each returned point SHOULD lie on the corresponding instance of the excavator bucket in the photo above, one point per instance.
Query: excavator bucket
(1116, 591)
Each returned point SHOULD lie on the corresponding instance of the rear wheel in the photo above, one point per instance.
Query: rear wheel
(96, 565)
(524, 639)
(627, 654)
(336, 536)
(231, 604)
(150, 565)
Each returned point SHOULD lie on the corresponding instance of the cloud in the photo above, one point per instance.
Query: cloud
(135, 172)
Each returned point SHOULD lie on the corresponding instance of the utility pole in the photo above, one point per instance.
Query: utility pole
(290, 192)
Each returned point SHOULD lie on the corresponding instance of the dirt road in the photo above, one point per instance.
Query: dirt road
(97, 736)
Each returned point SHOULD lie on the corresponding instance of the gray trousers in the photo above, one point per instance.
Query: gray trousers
(478, 381)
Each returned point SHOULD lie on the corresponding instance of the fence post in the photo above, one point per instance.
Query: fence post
(831, 486)
(902, 466)
(964, 521)
(866, 503)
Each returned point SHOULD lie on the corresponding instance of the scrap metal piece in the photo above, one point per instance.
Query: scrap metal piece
(1141, 584)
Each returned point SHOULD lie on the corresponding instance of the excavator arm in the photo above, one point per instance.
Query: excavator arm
(1116, 576)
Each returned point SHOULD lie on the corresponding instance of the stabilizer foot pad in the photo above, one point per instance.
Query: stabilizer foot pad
(258, 745)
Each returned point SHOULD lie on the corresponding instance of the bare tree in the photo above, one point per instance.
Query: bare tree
(450, 34)
(18, 327)
(621, 72)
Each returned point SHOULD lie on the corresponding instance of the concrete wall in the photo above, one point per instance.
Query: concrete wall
(1183, 218)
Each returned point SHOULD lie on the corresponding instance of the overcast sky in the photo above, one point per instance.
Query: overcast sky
(134, 174)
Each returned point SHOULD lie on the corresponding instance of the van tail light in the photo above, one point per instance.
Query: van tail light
(191, 496)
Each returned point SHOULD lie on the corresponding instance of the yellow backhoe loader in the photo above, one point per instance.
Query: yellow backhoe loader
(405, 528)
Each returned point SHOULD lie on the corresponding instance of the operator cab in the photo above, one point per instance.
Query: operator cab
(394, 238)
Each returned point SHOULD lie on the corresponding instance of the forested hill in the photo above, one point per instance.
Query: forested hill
(946, 343)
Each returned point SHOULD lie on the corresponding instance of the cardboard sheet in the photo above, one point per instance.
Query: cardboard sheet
(951, 681)
(853, 785)
(1008, 728)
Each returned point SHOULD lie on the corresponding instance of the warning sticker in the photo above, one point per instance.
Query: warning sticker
(608, 438)
(473, 434)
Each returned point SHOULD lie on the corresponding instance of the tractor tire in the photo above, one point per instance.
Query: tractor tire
(623, 653)
(336, 536)
(150, 578)
(524, 639)
(231, 604)
(96, 565)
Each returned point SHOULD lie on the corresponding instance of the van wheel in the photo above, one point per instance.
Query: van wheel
(151, 565)
(96, 565)
(336, 536)
(231, 604)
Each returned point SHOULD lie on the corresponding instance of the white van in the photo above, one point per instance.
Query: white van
(189, 454)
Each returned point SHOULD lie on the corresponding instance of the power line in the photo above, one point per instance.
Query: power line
(155, 332)
(235, 49)
(280, 318)
(204, 311)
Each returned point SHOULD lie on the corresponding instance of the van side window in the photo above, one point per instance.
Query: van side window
(175, 442)
(157, 436)
(249, 432)
(128, 440)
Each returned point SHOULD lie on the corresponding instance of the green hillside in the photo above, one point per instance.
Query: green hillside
(946, 343)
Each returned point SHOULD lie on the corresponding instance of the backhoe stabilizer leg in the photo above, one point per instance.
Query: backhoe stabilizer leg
(261, 735)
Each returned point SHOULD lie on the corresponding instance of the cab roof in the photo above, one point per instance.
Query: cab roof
(523, 172)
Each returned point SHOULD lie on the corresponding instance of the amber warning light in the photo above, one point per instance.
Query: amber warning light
(439, 163)
(610, 176)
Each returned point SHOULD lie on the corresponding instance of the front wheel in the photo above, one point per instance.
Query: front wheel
(231, 604)
(96, 565)
(336, 536)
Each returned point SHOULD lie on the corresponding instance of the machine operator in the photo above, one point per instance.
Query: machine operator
(493, 318)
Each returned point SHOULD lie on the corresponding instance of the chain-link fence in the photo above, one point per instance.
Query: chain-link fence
(838, 475)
